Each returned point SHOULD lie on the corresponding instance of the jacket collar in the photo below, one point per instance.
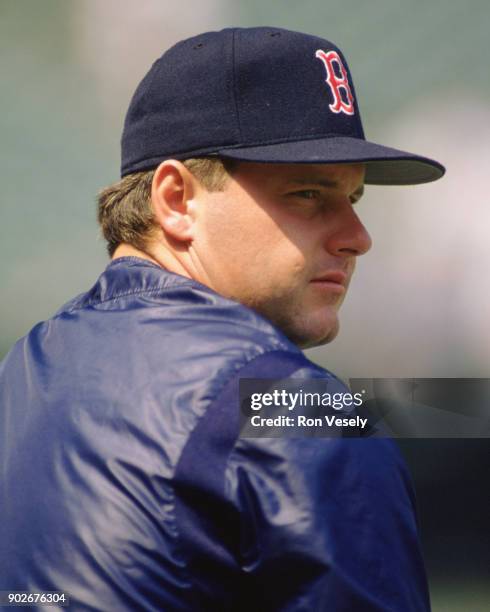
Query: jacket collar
(126, 276)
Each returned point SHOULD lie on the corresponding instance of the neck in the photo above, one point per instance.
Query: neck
(158, 256)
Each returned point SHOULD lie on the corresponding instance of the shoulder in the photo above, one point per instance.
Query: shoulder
(148, 297)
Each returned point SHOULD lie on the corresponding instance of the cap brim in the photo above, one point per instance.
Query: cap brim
(384, 165)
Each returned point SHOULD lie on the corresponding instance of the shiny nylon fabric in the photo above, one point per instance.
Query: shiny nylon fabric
(123, 481)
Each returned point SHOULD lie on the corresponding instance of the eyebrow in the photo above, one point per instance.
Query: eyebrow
(313, 180)
(323, 182)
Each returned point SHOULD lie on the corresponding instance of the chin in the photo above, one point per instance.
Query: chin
(319, 340)
(305, 327)
(309, 336)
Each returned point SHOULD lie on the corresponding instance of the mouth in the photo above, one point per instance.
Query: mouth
(333, 281)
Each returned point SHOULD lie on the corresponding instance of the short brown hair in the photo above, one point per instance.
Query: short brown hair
(124, 208)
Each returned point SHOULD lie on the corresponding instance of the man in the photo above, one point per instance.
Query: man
(125, 483)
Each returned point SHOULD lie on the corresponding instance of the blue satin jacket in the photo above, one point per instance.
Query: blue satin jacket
(124, 482)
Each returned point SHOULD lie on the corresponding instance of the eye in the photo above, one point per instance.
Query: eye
(307, 194)
(356, 196)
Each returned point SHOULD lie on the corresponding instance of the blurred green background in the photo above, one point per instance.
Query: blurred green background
(419, 306)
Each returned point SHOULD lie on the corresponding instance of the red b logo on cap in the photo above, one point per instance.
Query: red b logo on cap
(337, 83)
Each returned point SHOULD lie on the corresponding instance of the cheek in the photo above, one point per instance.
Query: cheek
(278, 274)
(246, 254)
(241, 232)
(226, 222)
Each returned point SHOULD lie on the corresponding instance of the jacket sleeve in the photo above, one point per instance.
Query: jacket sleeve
(326, 524)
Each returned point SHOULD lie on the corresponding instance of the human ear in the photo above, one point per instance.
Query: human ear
(171, 193)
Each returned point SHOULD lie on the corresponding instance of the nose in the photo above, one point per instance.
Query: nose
(348, 235)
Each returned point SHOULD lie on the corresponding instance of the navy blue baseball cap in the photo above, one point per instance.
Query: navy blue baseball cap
(260, 95)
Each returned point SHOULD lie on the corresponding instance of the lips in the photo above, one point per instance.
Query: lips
(335, 277)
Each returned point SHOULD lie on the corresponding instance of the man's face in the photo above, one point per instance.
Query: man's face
(283, 239)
